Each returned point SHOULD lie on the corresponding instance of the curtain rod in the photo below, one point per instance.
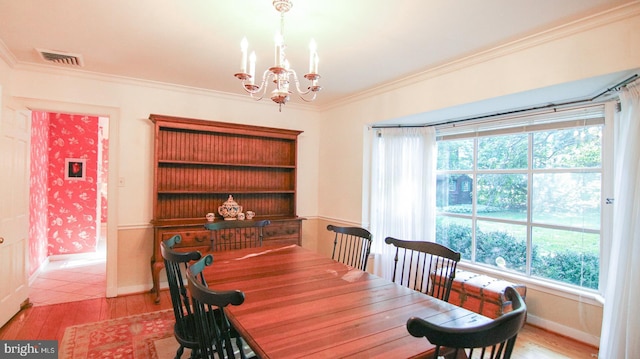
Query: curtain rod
(615, 87)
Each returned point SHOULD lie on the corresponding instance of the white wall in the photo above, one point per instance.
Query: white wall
(535, 63)
(131, 102)
(599, 46)
(136, 100)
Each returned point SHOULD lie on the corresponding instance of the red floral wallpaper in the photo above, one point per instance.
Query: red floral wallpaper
(103, 137)
(63, 212)
(72, 207)
(38, 200)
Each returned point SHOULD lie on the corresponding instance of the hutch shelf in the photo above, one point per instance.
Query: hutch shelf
(199, 163)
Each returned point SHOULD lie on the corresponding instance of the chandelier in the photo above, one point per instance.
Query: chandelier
(280, 74)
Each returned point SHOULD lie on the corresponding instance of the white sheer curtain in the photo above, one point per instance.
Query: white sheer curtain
(620, 336)
(403, 180)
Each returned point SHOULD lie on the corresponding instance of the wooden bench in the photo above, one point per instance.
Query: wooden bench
(482, 294)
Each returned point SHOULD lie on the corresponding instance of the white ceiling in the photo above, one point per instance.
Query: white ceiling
(196, 43)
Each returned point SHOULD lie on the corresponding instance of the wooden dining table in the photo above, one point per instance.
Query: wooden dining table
(301, 304)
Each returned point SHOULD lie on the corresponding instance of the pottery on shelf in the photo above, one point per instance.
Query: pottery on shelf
(229, 209)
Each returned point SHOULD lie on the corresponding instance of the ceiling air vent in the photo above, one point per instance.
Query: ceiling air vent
(61, 58)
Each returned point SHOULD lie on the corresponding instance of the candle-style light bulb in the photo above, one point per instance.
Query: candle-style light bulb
(278, 40)
(244, 45)
(316, 59)
(252, 67)
(312, 54)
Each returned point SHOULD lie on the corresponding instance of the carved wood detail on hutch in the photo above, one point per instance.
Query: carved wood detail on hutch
(199, 163)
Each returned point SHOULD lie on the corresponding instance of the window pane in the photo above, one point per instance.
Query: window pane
(453, 193)
(567, 199)
(455, 155)
(502, 245)
(503, 152)
(566, 256)
(454, 233)
(502, 196)
(572, 148)
(495, 188)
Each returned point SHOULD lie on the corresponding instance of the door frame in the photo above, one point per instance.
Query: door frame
(113, 113)
(15, 131)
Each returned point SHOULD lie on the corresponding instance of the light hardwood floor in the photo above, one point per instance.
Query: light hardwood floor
(48, 322)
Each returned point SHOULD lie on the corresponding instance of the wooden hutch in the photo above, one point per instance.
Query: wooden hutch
(199, 163)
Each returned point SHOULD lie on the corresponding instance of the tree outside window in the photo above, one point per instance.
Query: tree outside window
(533, 203)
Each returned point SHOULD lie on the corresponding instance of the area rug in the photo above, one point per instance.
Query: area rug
(166, 348)
(127, 337)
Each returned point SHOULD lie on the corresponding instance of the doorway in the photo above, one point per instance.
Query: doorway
(18, 110)
(68, 244)
(69, 280)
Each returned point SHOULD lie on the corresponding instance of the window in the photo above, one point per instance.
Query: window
(525, 196)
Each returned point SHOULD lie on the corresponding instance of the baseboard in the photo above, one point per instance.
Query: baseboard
(137, 289)
(134, 289)
(76, 256)
(35, 274)
(564, 330)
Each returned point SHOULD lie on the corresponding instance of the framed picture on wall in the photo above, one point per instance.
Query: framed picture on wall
(75, 169)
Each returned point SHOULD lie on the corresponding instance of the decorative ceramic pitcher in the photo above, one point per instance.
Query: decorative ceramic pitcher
(229, 209)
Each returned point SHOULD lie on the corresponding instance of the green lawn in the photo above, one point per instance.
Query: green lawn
(547, 240)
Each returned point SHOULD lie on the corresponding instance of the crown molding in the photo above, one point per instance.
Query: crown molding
(116, 79)
(123, 80)
(580, 25)
(571, 28)
(7, 55)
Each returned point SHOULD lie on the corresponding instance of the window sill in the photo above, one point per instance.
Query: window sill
(558, 289)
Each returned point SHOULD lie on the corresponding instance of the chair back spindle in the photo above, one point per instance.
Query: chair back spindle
(228, 235)
(351, 246)
(213, 329)
(175, 263)
(427, 267)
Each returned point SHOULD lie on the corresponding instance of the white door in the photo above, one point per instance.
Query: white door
(14, 210)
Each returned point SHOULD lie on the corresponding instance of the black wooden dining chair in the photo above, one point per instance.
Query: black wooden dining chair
(236, 234)
(213, 330)
(174, 263)
(351, 246)
(427, 267)
(493, 340)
